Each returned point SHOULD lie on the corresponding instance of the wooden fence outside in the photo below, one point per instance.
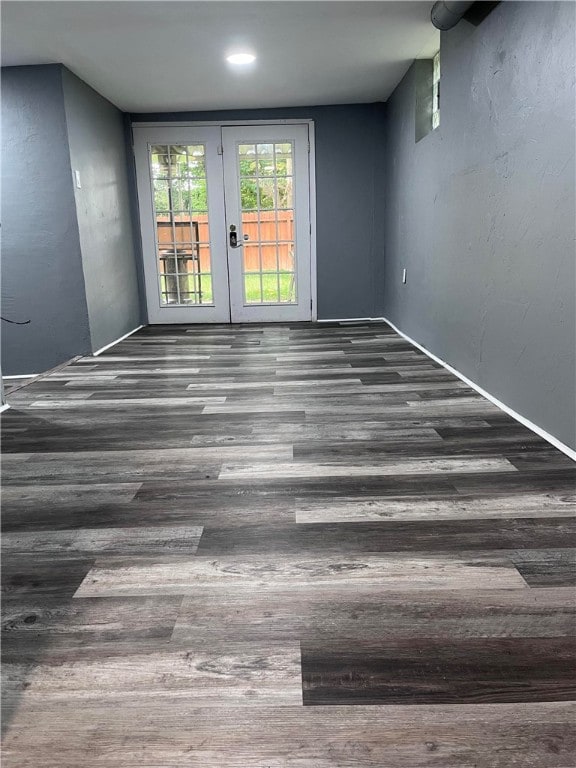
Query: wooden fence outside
(187, 232)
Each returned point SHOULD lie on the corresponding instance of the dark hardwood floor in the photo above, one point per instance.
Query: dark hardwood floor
(281, 547)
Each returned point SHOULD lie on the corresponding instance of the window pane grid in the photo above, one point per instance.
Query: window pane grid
(182, 227)
(266, 191)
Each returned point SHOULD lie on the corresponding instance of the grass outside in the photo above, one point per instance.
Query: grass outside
(269, 288)
(252, 287)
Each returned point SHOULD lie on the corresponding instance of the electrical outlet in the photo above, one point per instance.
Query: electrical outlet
(404, 276)
(77, 179)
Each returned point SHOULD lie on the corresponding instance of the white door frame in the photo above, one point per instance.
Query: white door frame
(297, 308)
(311, 175)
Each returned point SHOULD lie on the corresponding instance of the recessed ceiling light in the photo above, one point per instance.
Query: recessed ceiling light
(241, 58)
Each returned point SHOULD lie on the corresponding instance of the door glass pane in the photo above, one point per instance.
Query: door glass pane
(249, 194)
(267, 204)
(266, 194)
(182, 227)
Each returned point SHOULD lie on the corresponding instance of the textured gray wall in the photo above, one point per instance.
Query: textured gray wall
(98, 152)
(481, 211)
(42, 276)
(349, 160)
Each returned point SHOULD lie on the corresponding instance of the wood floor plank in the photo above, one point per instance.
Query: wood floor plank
(185, 456)
(37, 627)
(394, 537)
(23, 497)
(110, 466)
(98, 541)
(547, 567)
(122, 577)
(360, 509)
(557, 480)
(343, 429)
(71, 374)
(373, 446)
(158, 508)
(419, 467)
(221, 675)
(371, 613)
(22, 577)
(427, 671)
(534, 735)
(149, 402)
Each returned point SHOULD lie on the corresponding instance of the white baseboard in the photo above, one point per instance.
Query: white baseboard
(112, 343)
(21, 376)
(353, 320)
(503, 407)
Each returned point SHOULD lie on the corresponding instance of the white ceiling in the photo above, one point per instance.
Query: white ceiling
(148, 56)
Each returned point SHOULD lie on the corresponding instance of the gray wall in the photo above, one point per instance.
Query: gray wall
(481, 211)
(42, 276)
(68, 260)
(349, 160)
(98, 152)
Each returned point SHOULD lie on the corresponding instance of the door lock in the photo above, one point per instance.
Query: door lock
(234, 237)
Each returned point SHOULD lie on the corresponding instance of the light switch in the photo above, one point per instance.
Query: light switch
(403, 275)
(77, 179)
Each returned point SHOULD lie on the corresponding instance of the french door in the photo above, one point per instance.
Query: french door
(225, 218)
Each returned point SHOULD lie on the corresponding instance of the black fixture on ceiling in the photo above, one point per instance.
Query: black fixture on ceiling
(446, 14)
